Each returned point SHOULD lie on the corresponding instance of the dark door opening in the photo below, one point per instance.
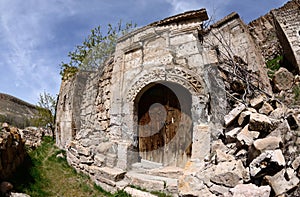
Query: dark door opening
(165, 124)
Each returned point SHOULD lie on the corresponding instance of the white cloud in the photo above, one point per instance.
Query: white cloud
(179, 6)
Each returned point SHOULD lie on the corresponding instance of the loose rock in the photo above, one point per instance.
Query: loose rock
(259, 122)
(247, 190)
(266, 109)
(268, 143)
(283, 79)
(233, 114)
(283, 181)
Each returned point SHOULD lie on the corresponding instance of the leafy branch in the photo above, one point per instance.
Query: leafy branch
(95, 49)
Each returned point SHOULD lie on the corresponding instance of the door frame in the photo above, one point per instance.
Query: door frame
(182, 140)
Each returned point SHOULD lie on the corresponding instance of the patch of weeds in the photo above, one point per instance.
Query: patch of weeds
(296, 92)
(121, 193)
(138, 187)
(273, 65)
(160, 194)
(100, 189)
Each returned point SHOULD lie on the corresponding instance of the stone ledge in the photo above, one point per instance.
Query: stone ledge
(113, 174)
(153, 183)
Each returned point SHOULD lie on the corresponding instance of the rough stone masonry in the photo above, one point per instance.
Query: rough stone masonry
(183, 109)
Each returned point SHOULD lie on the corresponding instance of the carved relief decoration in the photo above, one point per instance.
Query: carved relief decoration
(187, 79)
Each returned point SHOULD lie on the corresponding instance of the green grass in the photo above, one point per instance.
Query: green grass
(46, 175)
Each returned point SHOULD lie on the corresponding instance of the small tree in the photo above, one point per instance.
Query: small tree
(95, 49)
(46, 111)
(47, 101)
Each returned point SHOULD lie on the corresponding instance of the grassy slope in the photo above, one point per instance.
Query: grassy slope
(47, 175)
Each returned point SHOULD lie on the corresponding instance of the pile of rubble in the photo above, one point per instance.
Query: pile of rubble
(33, 135)
(258, 155)
(264, 136)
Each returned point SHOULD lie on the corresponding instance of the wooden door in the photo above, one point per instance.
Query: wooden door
(164, 126)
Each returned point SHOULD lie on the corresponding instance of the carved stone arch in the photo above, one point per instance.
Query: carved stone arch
(181, 76)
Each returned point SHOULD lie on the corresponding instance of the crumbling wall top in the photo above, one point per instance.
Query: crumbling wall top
(186, 17)
(225, 20)
(194, 14)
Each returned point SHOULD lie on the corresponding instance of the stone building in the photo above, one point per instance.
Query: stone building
(278, 33)
(287, 24)
(157, 104)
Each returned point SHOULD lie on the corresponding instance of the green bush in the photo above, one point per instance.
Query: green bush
(274, 65)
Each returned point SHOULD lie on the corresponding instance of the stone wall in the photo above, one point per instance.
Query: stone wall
(265, 36)
(277, 33)
(92, 148)
(234, 44)
(287, 22)
(68, 119)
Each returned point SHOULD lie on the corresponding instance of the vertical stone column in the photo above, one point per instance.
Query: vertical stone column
(201, 142)
(126, 155)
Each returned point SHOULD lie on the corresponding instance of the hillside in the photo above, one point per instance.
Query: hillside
(15, 111)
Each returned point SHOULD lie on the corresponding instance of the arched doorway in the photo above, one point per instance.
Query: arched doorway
(163, 111)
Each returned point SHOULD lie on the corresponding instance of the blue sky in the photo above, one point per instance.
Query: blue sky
(36, 35)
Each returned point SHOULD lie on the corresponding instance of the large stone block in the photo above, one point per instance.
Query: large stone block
(246, 137)
(123, 154)
(113, 174)
(257, 101)
(247, 190)
(283, 79)
(233, 114)
(261, 163)
(201, 142)
(228, 173)
(192, 184)
(259, 122)
(149, 182)
(266, 109)
(283, 181)
(268, 143)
